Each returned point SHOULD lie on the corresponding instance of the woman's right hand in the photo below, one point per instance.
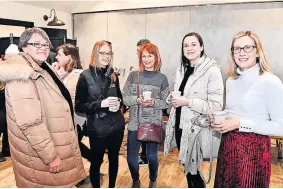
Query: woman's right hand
(55, 166)
(140, 100)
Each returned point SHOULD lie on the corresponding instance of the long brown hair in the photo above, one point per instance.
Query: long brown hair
(75, 62)
(231, 69)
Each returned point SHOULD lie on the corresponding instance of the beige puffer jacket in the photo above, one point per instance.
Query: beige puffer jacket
(40, 126)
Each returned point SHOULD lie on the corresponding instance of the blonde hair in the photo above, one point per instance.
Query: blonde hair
(231, 69)
(95, 54)
(94, 61)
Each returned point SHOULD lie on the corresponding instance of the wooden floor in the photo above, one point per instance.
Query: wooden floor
(170, 174)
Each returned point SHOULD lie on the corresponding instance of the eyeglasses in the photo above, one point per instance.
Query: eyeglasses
(247, 49)
(39, 45)
(106, 54)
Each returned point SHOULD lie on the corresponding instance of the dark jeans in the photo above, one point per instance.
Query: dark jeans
(194, 181)
(143, 152)
(133, 146)
(98, 146)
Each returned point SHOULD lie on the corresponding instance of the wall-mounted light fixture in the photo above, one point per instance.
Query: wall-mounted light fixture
(55, 21)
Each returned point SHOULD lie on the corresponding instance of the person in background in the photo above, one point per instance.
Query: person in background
(142, 156)
(68, 68)
(254, 107)
(150, 111)
(99, 97)
(42, 137)
(200, 82)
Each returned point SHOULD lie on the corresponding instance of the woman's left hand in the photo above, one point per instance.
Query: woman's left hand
(179, 101)
(226, 125)
(148, 103)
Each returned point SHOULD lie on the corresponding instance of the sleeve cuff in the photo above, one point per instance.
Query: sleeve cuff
(190, 102)
(133, 100)
(246, 126)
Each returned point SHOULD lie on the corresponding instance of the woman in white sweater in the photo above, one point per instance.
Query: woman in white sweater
(254, 103)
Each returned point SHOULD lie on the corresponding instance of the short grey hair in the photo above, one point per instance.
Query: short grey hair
(26, 35)
(143, 42)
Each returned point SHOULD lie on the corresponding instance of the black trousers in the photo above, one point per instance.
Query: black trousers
(4, 130)
(194, 181)
(85, 151)
(98, 146)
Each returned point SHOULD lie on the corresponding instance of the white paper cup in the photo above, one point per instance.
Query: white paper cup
(220, 115)
(176, 93)
(146, 95)
(113, 109)
(115, 99)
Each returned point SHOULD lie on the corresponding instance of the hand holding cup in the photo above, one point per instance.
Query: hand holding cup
(114, 104)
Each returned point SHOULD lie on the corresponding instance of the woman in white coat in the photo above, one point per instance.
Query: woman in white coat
(200, 83)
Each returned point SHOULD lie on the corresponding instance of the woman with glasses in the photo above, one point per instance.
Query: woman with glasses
(98, 96)
(200, 86)
(145, 110)
(254, 103)
(43, 142)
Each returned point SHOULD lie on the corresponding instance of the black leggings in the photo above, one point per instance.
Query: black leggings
(85, 151)
(4, 129)
(194, 181)
(98, 146)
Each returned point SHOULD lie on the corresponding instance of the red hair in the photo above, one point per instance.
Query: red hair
(151, 49)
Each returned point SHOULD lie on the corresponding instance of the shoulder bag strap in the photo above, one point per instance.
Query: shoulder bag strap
(211, 152)
(138, 95)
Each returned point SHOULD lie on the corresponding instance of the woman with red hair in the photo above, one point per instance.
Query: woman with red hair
(150, 109)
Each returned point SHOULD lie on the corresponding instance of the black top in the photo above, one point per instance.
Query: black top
(89, 95)
(188, 73)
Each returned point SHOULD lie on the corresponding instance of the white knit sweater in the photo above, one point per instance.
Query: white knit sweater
(257, 100)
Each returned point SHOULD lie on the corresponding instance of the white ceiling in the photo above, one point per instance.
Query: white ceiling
(95, 6)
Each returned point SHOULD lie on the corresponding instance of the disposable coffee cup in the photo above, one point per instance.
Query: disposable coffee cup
(113, 98)
(220, 115)
(176, 93)
(146, 95)
(113, 109)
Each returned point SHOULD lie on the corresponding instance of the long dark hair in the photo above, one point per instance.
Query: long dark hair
(184, 61)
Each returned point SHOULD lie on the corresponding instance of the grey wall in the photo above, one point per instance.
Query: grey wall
(166, 27)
